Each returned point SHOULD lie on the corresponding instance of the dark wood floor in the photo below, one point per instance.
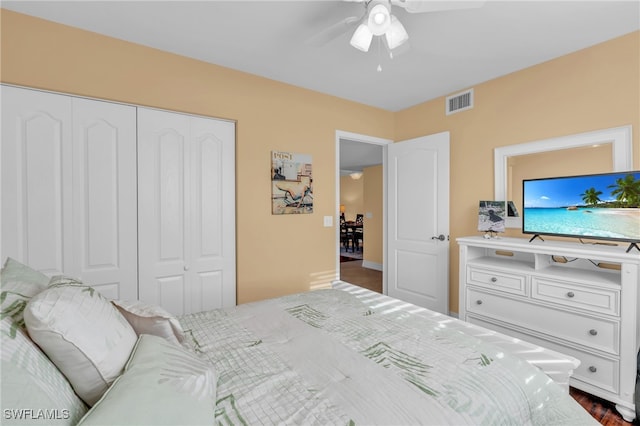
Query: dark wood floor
(603, 411)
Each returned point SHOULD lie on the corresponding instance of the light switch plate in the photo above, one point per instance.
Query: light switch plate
(328, 221)
(368, 215)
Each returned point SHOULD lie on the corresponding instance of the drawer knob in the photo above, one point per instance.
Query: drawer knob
(570, 294)
(593, 369)
(478, 302)
(494, 279)
(593, 332)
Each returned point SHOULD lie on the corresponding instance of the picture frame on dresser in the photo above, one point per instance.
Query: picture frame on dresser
(578, 299)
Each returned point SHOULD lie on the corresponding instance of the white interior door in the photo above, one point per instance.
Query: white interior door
(36, 175)
(186, 175)
(212, 266)
(104, 197)
(69, 188)
(418, 221)
(163, 197)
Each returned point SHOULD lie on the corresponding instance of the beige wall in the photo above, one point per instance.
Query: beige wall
(373, 204)
(276, 255)
(592, 89)
(352, 196)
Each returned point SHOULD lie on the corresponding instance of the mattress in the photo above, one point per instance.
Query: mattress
(333, 357)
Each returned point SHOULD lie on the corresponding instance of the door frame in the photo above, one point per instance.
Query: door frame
(357, 137)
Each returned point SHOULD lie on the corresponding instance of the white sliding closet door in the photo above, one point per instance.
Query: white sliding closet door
(69, 188)
(104, 197)
(186, 211)
(36, 177)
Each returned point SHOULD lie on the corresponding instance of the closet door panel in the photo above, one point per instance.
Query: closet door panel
(105, 197)
(36, 175)
(163, 198)
(213, 213)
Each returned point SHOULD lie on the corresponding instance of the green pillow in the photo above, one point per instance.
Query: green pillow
(18, 284)
(33, 390)
(163, 384)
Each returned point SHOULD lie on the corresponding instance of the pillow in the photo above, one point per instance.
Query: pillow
(151, 319)
(82, 333)
(33, 390)
(18, 283)
(163, 384)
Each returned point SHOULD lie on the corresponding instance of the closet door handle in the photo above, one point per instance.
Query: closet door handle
(494, 279)
(593, 332)
(593, 369)
(570, 294)
(186, 267)
(478, 302)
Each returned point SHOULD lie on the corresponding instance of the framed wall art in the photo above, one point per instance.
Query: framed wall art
(291, 183)
(491, 216)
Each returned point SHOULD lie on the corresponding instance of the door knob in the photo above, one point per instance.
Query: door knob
(439, 237)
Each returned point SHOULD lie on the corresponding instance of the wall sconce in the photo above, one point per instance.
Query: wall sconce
(342, 208)
(356, 175)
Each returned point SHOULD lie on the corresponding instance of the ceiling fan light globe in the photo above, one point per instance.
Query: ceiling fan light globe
(396, 35)
(379, 19)
(361, 38)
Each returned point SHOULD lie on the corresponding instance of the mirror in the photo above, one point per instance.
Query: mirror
(514, 162)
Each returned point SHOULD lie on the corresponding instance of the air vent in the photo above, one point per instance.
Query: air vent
(459, 102)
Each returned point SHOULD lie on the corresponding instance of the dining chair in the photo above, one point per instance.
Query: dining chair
(358, 232)
(346, 234)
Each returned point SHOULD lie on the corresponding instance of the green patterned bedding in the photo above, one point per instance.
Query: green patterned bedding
(327, 357)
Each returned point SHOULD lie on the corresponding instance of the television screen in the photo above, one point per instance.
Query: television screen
(600, 206)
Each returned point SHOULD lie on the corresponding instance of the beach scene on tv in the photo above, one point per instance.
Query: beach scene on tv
(605, 206)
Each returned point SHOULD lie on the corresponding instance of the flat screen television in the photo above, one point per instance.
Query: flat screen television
(598, 206)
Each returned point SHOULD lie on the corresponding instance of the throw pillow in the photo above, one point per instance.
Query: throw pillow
(18, 283)
(151, 319)
(84, 335)
(163, 384)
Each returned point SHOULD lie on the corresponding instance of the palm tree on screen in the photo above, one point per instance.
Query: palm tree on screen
(627, 191)
(591, 196)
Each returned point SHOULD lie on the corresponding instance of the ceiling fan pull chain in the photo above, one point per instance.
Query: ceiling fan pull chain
(379, 69)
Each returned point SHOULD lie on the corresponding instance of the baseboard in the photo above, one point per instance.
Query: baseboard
(372, 265)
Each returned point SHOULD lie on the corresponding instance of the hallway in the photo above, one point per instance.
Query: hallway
(353, 273)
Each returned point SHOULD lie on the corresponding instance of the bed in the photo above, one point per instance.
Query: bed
(335, 356)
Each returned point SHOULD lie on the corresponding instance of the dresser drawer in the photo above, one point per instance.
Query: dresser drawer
(593, 370)
(597, 333)
(565, 293)
(497, 280)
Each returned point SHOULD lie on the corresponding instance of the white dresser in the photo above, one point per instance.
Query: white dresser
(577, 299)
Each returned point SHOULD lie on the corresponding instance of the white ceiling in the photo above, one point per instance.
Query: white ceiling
(289, 41)
(355, 156)
(448, 51)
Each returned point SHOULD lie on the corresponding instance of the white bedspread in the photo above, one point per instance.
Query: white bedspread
(325, 357)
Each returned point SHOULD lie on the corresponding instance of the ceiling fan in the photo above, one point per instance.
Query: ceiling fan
(379, 21)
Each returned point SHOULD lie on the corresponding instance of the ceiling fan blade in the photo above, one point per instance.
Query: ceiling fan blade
(422, 6)
(399, 51)
(334, 31)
